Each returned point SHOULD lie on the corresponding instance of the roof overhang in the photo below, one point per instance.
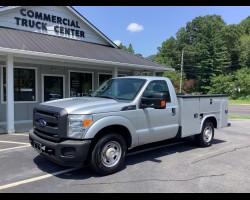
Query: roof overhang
(70, 59)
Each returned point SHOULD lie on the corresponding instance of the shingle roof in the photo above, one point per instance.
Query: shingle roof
(36, 42)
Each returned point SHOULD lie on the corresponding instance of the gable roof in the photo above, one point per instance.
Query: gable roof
(22, 42)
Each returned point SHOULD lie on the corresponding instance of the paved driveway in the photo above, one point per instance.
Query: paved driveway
(176, 167)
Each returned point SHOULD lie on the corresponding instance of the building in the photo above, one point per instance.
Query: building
(53, 52)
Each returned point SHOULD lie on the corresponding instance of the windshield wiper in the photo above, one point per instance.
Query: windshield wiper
(108, 97)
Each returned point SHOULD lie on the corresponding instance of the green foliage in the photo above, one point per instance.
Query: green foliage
(188, 86)
(222, 84)
(129, 48)
(246, 25)
(242, 82)
(242, 101)
(152, 57)
(174, 76)
(214, 54)
(245, 53)
(238, 117)
(236, 85)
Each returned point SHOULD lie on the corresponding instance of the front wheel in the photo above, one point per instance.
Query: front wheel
(205, 138)
(108, 154)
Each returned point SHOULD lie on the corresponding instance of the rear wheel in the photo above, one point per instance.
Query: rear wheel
(205, 138)
(108, 154)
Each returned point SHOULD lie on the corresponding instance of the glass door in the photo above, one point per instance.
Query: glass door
(81, 84)
(53, 87)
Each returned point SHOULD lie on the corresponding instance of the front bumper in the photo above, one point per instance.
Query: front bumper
(70, 153)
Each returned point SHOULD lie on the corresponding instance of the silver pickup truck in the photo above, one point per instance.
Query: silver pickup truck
(121, 114)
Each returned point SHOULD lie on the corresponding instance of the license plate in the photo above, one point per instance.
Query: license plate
(38, 147)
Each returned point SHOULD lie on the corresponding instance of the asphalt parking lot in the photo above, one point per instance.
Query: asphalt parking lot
(175, 167)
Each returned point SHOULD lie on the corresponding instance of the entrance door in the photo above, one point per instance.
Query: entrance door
(81, 83)
(53, 87)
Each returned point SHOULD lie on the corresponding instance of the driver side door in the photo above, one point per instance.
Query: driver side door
(157, 124)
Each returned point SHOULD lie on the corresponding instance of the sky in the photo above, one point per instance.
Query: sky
(146, 27)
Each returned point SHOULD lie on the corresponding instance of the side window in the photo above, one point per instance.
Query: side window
(157, 86)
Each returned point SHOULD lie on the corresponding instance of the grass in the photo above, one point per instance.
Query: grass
(237, 117)
(239, 101)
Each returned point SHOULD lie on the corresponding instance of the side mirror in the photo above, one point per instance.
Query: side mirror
(157, 101)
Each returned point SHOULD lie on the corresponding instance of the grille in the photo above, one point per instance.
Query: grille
(45, 135)
(56, 124)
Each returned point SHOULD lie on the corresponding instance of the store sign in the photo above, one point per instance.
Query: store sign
(39, 20)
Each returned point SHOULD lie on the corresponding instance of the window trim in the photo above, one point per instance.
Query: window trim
(76, 71)
(36, 85)
(56, 75)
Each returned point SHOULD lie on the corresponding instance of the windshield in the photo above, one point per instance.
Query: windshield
(119, 89)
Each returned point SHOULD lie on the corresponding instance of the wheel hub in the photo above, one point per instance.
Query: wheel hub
(110, 153)
(208, 134)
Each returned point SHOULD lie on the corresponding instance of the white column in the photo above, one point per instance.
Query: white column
(115, 72)
(153, 73)
(10, 94)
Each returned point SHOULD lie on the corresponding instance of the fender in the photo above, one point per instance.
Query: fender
(109, 121)
(203, 120)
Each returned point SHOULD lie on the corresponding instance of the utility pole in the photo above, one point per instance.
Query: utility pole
(182, 53)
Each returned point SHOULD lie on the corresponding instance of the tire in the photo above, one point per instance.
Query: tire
(205, 138)
(108, 154)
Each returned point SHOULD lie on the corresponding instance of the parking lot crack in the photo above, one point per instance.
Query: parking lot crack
(219, 154)
(153, 179)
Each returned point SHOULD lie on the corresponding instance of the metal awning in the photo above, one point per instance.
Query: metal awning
(26, 43)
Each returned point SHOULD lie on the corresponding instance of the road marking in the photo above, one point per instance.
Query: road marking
(36, 178)
(10, 142)
(14, 148)
(167, 145)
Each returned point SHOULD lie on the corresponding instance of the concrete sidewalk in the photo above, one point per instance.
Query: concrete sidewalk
(19, 128)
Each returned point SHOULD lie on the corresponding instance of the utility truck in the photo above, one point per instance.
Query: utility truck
(121, 114)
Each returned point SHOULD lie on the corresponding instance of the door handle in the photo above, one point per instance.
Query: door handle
(173, 111)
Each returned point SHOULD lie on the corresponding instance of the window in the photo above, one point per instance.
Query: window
(53, 87)
(157, 86)
(24, 84)
(119, 89)
(104, 77)
(80, 84)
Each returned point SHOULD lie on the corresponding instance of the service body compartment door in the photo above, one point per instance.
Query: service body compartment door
(210, 105)
(189, 116)
(223, 112)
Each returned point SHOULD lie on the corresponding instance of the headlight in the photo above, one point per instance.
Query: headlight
(77, 125)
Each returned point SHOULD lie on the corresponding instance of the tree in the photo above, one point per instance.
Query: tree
(242, 82)
(129, 48)
(245, 53)
(245, 24)
(222, 84)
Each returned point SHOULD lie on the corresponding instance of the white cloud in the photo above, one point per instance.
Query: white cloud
(117, 42)
(134, 27)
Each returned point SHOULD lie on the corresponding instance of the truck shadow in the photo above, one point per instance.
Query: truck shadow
(151, 152)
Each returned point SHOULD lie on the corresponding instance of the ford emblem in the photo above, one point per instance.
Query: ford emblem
(42, 123)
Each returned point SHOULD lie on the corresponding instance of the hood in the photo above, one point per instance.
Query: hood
(86, 105)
